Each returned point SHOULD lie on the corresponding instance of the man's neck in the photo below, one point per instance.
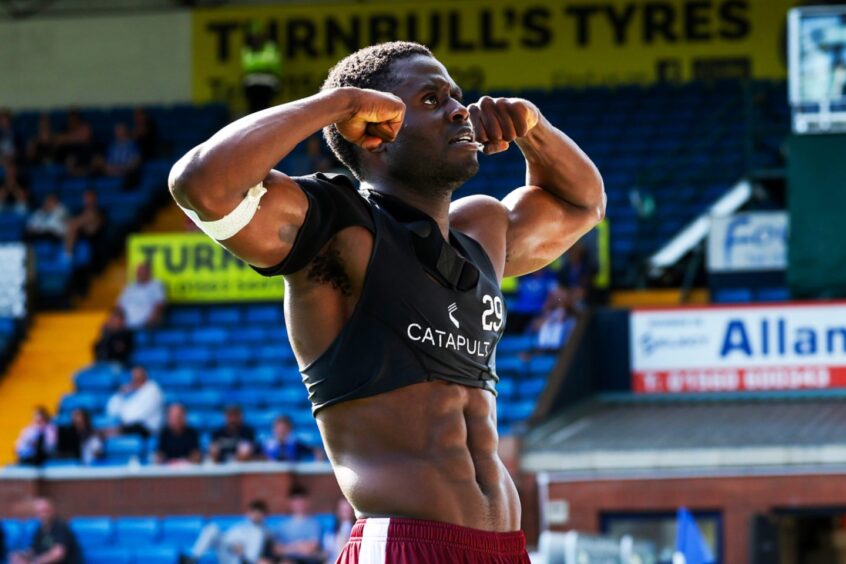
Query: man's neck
(435, 205)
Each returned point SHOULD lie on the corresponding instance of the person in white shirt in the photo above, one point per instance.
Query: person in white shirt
(240, 544)
(143, 301)
(50, 221)
(138, 405)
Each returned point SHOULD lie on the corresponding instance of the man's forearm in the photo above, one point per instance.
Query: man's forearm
(242, 154)
(555, 163)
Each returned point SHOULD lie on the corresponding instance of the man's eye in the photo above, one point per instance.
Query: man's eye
(431, 100)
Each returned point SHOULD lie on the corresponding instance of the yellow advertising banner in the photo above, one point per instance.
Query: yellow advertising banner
(194, 268)
(503, 44)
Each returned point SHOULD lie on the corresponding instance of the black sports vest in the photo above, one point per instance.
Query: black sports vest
(407, 327)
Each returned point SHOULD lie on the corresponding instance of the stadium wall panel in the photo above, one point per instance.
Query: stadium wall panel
(112, 60)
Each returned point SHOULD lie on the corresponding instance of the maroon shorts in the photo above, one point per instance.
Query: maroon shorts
(414, 541)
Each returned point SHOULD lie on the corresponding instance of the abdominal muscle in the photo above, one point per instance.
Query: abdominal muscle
(426, 451)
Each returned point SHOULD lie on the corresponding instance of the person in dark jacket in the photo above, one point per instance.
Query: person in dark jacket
(53, 543)
(80, 440)
(115, 342)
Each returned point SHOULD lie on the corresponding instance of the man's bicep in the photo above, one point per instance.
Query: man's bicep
(541, 227)
(268, 237)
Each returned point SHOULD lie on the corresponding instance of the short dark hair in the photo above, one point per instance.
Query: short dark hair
(366, 68)
(298, 490)
(284, 419)
(258, 505)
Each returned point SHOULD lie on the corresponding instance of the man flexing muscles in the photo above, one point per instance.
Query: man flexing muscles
(392, 294)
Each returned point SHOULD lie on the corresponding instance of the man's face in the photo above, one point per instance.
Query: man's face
(281, 430)
(138, 377)
(255, 516)
(142, 274)
(176, 417)
(233, 417)
(43, 510)
(299, 505)
(427, 154)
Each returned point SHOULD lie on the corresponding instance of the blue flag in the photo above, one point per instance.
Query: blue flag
(689, 541)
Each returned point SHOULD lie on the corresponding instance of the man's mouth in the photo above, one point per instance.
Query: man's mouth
(465, 139)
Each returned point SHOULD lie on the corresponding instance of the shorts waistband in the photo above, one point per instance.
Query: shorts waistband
(416, 530)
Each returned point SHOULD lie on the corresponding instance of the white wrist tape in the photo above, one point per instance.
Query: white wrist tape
(233, 222)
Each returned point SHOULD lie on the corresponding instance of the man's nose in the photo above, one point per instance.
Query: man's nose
(459, 112)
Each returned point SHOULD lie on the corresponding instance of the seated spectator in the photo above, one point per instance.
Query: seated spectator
(143, 301)
(334, 540)
(145, 133)
(531, 294)
(242, 543)
(556, 321)
(41, 149)
(298, 538)
(80, 440)
(137, 405)
(284, 446)
(122, 157)
(9, 142)
(88, 224)
(178, 443)
(49, 222)
(37, 441)
(235, 440)
(54, 541)
(75, 145)
(115, 342)
(13, 191)
(577, 273)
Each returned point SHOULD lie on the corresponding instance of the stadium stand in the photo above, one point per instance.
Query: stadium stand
(126, 208)
(257, 371)
(138, 539)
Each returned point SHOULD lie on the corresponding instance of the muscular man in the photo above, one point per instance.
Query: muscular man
(392, 292)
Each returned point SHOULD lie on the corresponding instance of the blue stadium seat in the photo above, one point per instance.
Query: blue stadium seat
(84, 400)
(531, 388)
(136, 531)
(194, 356)
(250, 335)
(513, 364)
(205, 420)
(275, 353)
(505, 387)
(286, 397)
(115, 555)
(181, 530)
(271, 314)
(175, 378)
(260, 376)
(234, 354)
(226, 521)
(13, 531)
(152, 356)
(92, 532)
(251, 398)
(174, 336)
(219, 378)
(542, 364)
(198, 399)
(733, 295)
(773, 294)
(260, 419)
(210, 335)
(156, 555)
(97, 377)
(122, 448)
(190, 316)
(514, 344)
(224, 316)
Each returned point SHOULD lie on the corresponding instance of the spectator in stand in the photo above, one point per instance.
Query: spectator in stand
(115, 342)
(531, 294)
(556, 322)
(41, 149)
(37, 441)
(298, 538)
(235, 440)
(75, 145)
(80, 440)
(577, 273)
(49, 222)
(138, 405)
(88, 224)
(261, 64)
(242, 543)
(54, 541)
(13, 190)
(284, 446)
(9, 142)
(122, 157)
(143, 301)
(145, 133)
(178, 443)
(334, 540)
